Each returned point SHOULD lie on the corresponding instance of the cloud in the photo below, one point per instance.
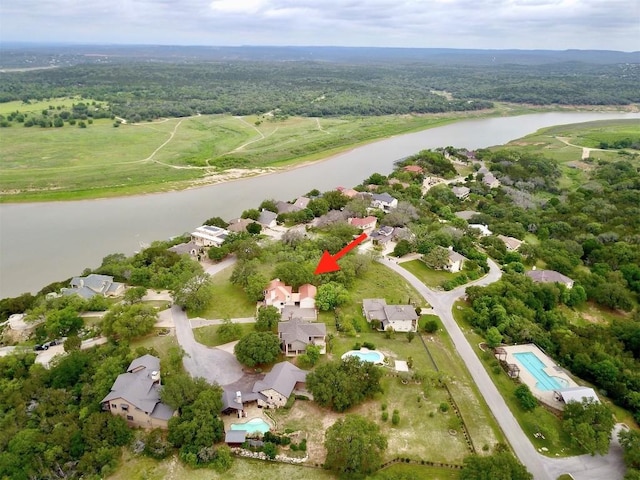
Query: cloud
(554, 24)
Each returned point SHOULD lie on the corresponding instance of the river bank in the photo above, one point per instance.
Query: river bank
(45, 242)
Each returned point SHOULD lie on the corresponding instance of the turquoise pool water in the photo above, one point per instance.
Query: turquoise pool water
(535, 367)
(372, 356)
(252, 426)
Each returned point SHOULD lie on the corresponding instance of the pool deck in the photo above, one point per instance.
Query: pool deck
(551, 368)
(252, 412)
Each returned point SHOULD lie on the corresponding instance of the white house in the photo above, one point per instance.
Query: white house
(484, 230)
(209, 236)
(383, 201)
(461, 192)
(456, 261)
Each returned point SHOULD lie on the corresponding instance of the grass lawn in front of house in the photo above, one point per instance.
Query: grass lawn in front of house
(161, 344)
(431, 278)
(209, 335)
(230, 301)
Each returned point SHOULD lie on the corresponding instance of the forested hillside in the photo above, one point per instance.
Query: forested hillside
(139, 87)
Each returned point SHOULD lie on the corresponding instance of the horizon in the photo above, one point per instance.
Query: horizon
(19, 43)
(610, 25)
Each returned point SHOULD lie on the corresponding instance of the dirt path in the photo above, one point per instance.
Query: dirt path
(320, 127)
(586, 151)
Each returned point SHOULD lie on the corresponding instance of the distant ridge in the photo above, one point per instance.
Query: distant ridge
(15, 54)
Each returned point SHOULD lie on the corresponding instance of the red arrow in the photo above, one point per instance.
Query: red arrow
(329, 263)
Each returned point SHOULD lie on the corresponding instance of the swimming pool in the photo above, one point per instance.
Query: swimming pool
(252, 426)
(371, 356)
(535, 367)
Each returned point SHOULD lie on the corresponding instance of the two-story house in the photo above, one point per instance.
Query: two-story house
(135, 395)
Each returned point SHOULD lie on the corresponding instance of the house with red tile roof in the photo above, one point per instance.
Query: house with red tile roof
(280, 295)
(366, 224)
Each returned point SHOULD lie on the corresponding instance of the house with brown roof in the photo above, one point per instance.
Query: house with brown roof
(402, 318)
(296, 335)
(280, 295)
(366, 224)
(239, 225)
(413, 169)
(382, 236)
(511, 243)
(348, 192)
(135, 395)
(549, 276)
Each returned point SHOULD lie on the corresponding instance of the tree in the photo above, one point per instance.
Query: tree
(270, 450)
(125, 322)
(294, 273)
(630, 441)
(216, 222)
(254, 228)
(354, 445)
(402, 248)
(438, 258)
(63, 322)
(331, 295)
(335, 199)
(229, 331)
(196, 294)
(269, 204)
(181, 390)
(218, 253)
(431, 325)
(311, 355)
(589, 424)
(499, 466)
(318, 206)
(267, 319)
(134, 294)
(341, 385)
(257, 348)
(72, 342)
(252, 213)
(494, 337)
(255, 285)
(410, 336)
(526, 399)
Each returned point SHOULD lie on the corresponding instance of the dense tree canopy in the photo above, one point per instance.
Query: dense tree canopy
(499, 466)
(341, 385)
(354, 445)
(257, 348)
(589, 424)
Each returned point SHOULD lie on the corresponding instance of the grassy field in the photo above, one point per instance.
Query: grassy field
(431, 278)
(36, 106)
(139, 467)
(100, 160)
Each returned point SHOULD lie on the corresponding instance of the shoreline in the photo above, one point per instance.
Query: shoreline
(236, 174)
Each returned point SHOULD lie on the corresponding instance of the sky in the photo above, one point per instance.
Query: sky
(500, 24)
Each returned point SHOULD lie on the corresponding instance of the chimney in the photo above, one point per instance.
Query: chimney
(450, 248)
(155, 376)
(239, 397)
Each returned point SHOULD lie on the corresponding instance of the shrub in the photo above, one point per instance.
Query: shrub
(395, 418)
(444, 407)
(369, 345)
(357, 346)
(384, 406)
(270, 450)
(385, 416)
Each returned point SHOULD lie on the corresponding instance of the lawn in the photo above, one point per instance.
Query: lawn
(161, 344)
(208, 335)
(230, 300)
(139, 467)
(431, 278)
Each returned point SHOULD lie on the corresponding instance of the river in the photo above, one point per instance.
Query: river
(44, 242)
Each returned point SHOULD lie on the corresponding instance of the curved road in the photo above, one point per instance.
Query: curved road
(583, 467)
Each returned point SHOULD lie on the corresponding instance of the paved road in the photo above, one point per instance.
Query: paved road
(213, 364)
(584, 467)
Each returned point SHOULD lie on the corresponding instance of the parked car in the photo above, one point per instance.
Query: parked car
(44, 346)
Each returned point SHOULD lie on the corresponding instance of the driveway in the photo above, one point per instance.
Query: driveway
(584, 467)
(213, 364)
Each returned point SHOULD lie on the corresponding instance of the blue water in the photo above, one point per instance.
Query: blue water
(253, 425)
(536, 368)
(372, 357)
